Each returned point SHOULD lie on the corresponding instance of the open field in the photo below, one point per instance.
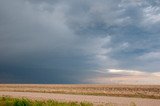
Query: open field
(95, 100)
(142, 91)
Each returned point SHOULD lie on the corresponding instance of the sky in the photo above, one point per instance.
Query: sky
(80, 41)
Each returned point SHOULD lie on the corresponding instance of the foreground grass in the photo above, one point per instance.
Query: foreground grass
(7, 101)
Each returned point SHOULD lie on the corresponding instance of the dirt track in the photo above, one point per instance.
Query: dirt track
(96, 100)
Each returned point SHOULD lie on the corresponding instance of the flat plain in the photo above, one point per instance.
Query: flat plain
(88, 99)
(140, 91)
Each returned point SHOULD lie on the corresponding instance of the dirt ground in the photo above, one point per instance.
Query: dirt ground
(96, 100)
(142, 91)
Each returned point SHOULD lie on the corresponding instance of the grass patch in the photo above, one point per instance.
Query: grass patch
(7, 101)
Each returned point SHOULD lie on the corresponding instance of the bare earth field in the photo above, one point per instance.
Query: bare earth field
(142, 91)
(96, 94)
(96, 100)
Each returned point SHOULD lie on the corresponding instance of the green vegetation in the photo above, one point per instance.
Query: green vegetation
(7, 101)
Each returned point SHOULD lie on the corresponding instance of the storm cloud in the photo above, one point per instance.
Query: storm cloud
(59, 41)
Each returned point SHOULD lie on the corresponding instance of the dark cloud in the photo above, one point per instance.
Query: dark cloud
(66, 41)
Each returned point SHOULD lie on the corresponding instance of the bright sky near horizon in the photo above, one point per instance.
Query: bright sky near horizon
(80, 41)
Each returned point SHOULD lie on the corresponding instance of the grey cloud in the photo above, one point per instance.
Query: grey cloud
(67, 40)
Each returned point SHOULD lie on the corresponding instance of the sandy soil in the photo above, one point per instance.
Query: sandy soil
(96, 100)
(142, 91)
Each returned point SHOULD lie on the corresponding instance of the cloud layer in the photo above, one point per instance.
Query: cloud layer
(117, 76)
(66, 41)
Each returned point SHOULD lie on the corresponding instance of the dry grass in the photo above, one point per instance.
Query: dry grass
(143, 91)
(7, 101)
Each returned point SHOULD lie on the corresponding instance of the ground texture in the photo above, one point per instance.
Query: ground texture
(96, 100)
(142, 91)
